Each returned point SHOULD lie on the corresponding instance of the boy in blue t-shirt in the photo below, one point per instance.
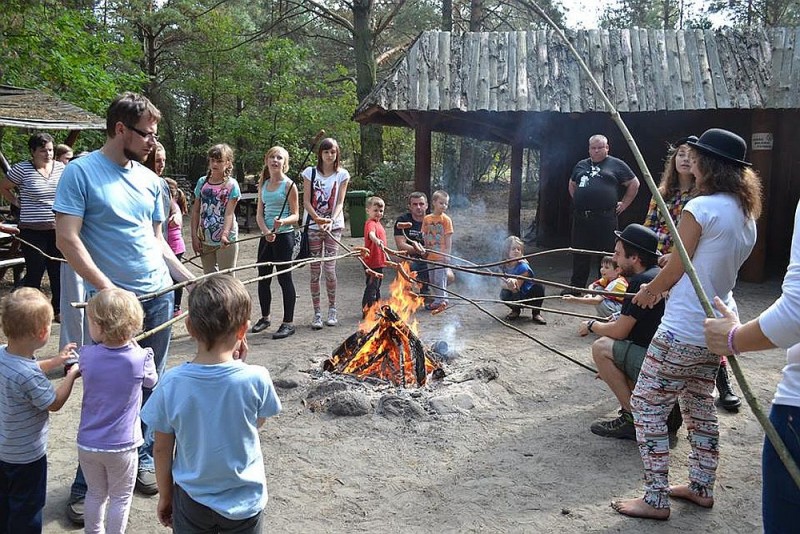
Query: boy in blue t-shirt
(206, 415)
(26, 398)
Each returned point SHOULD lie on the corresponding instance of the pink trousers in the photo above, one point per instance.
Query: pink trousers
(110, 477)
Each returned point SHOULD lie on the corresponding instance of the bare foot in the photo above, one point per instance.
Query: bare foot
(683, 492)
(639, 508)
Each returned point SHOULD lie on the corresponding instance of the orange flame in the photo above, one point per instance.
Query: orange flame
(402, 299)
(388, 352)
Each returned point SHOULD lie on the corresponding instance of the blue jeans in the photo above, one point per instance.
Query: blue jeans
(22, 494)
(780, 496)
(156, 312)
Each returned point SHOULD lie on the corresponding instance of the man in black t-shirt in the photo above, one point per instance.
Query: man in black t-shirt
(621, 349)
(594, 187)
(410, 240)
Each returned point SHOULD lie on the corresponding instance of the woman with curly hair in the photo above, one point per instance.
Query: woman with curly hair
(718, 228)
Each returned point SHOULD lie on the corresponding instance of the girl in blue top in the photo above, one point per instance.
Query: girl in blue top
(214, 227)
(517, 290)
(277, 211)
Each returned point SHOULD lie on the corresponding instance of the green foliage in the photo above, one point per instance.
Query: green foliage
(759, 13)
(66, 52)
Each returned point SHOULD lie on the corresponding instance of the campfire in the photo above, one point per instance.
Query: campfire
(386, 345)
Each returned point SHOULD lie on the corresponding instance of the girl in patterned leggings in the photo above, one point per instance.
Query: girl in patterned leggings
(718, 229)
(325, 186)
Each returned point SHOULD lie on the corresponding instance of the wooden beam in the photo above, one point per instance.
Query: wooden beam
(422, 157)
(72, 137)
(515, 191)
(764, 127)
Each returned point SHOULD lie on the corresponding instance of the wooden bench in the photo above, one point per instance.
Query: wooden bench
(12, 263)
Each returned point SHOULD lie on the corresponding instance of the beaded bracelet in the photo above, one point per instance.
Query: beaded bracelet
(731, 335)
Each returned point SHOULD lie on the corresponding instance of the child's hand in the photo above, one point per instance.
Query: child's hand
(196, 246)
(324, 223)
(67, 352)
(240, 352)
(175, 219)
(73, 371)
(419, 248)
(164, 510)
(275, 225)
(583, 328)
(225, 241)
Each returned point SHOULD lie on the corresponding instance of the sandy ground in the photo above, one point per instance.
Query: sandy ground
(510, 454)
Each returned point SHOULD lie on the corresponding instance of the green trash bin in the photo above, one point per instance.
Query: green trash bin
(357, 206)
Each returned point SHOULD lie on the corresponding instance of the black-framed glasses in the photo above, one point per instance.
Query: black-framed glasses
(146, 135)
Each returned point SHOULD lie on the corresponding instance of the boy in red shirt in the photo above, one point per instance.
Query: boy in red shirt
(374, 240)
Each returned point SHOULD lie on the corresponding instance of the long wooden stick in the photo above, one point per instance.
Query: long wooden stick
(480, 271)
(179, 285)
(37, 249)
(296, 265)
(408, 277)
(762, 418)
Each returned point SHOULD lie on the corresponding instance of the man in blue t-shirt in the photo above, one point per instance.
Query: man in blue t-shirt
(594, 187)
(109, 213)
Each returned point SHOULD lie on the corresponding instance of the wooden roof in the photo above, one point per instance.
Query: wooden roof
(639, 69)
(28, 108)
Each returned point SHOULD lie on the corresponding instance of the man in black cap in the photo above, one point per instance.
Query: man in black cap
(594, 187)
(621, 349)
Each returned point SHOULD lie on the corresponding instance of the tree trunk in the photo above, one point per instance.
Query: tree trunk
(371, 134)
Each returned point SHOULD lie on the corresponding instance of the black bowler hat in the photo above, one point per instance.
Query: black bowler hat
(685, 141)
(640, 237)
(723, 145)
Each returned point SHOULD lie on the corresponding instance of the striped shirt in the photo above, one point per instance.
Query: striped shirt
(36, 193)
(25, 396)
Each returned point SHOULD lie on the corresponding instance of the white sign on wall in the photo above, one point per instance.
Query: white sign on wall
(761, 141)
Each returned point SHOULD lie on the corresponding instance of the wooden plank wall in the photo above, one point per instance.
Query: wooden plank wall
(639, 69)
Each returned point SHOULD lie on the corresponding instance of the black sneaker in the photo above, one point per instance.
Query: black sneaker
(620, 428)
(260, 326)
(75, 511)
(285, 330)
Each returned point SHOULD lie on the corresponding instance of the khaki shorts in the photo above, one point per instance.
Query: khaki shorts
(628, 357)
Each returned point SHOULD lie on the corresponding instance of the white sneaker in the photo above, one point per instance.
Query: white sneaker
(316, 324)
(332, 320)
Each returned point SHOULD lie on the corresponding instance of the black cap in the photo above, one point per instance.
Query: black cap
(640, 237)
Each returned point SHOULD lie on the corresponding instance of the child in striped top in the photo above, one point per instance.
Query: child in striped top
(610, 280)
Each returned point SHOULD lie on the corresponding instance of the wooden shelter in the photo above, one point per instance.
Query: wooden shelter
(29, 108)
(525, 89)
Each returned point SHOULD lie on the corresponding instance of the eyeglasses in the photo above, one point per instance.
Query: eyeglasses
(146, 135)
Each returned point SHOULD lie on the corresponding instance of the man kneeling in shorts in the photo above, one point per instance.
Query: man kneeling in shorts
(621, 349)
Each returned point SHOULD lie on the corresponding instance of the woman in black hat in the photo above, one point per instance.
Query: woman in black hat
(719, 232)
(677, 187)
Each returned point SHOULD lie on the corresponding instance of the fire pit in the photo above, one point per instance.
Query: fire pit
(386, 346)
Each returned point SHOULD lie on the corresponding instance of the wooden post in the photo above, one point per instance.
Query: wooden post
(761, 155)
(72, 136)
(515, 191)
(422, 157)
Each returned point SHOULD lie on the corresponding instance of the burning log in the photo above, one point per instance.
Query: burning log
(389, 351)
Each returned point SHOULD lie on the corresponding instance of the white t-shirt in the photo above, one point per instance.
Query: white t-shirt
(726, 240)
(781, 324)
(327, 190)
